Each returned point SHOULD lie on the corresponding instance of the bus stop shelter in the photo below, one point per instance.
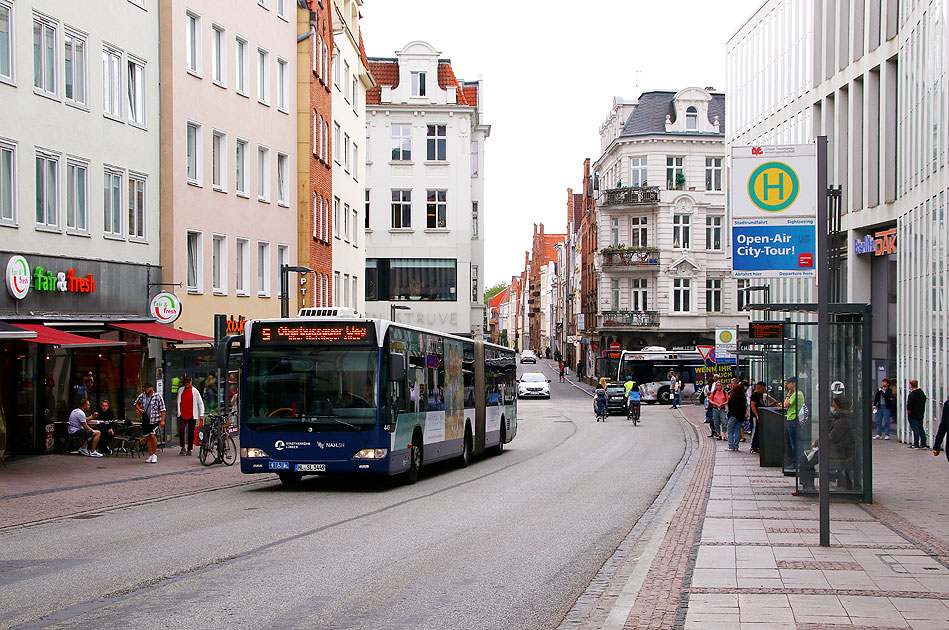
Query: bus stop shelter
(779, 350)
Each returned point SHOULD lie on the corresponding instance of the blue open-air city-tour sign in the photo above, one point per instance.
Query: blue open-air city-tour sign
(774, 211)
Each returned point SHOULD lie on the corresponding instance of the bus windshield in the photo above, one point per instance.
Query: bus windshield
(329, 389)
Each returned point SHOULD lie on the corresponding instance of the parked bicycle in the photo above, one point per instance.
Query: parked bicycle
(217, 444)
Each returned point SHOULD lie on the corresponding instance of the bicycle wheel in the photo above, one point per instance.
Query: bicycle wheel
(230, 450)
(208, 446)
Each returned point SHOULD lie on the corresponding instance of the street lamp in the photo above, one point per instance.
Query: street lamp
(284, 289)
(396, 307)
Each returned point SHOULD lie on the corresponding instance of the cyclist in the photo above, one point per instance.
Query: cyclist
(600, 401)
(632, 397)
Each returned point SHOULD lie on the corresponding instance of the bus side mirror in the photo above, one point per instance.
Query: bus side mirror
(396, 367)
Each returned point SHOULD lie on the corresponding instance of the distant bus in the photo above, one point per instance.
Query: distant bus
(342, 394)
(650, 368)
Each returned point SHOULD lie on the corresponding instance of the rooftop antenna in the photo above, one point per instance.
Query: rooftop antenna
(636, 89)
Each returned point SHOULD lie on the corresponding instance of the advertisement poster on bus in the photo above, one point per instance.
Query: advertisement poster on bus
(454, 392)
(774, 211)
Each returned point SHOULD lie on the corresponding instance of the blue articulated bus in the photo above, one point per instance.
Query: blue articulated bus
(341, 394)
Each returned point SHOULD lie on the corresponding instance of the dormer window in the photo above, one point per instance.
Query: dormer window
(691, 119)
(418, 84)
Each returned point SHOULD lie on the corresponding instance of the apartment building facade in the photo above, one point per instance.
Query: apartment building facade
(663, 261)
(425, 193)
(230, 136)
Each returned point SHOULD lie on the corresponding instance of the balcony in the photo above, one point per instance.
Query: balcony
(630, 196)
(629, 319)
(630, 256)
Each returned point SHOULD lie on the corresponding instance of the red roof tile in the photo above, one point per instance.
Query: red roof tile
(385, 72)
(497, 299)
(471, 93)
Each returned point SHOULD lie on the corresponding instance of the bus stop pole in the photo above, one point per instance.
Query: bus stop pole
(823, 343)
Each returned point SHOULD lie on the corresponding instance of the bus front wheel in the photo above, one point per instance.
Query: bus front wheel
(497, 450)
(664, 397)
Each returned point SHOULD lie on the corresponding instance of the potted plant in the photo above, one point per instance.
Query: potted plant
(680, 180)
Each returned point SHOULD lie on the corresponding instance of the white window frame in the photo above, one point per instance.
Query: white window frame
(316, 55)
(218, 160)
(673, 168)
(402, 201)
(714, 173)
(263, 173)
(346, 222)
(355, 106)
(336, 138)
(283, 184)
(75, 198)
(10, 77)
(404, 133)
(713, 295)
(437, 197)
(336, 67)
(475, 158)
(264, 3)
(434, 141)
(681, 292)
(141, 94)
(263, 76)
(639, 295)
(355, 168)
(337, 223)
(316, 212)
(8, 187)
(714, 223)
(682, 231)
(346, 290)
(241, 166)
(219, 264)
(355, 225)
(218, 55)
(194, 178)
(639, 232)
(326, 220)
(241, 61)
(134, 180)
(46, 25)
(336, 282)
(242, 267)
(314, 128)
(475, 220)
(355, 293)
(282, 9)
(193, 43)
(83, 83)
(109, 201)
(112, 98)
(283, 258)
(346, 152)
(419, 87)
(283, 85)
(638, 170)
(54, 204)
(198, 256)
(345, 88)
(263, 269)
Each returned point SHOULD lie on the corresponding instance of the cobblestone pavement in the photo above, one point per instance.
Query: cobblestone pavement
(742, 552)
(34, 489)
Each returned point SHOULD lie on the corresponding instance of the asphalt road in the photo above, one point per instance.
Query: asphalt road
(509, 542)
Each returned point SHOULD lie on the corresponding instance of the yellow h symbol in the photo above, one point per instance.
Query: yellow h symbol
(766, 186)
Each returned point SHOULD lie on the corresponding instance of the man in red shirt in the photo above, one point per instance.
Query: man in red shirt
(190, 408)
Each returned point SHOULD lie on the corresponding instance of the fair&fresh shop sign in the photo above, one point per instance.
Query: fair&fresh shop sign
(20, 279)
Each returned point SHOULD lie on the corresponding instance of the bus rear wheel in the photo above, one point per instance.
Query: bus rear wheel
(290, 479)
(465, 458)
(497, 450)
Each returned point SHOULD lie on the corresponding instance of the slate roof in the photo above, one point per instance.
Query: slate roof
(649, 116)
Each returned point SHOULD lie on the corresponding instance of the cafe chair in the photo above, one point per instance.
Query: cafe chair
(130, 438)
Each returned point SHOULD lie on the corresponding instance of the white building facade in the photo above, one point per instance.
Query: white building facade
(350, 80)
(425, 193)
(872, 78)
(663, 259)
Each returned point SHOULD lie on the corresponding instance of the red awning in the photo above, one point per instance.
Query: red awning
(154, 329)
(51, 336)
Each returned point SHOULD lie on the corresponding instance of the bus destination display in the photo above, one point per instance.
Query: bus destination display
(330, 333)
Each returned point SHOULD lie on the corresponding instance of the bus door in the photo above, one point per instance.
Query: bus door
(478, 398)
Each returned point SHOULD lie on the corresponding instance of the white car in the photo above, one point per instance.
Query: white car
(533, 384)
(528, 356)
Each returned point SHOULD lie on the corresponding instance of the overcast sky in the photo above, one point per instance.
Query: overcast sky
(550, 71)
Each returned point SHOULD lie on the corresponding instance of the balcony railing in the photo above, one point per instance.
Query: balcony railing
(630, 257)
(630, 196)
(629, 319)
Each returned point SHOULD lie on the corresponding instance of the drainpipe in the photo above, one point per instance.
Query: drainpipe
(304, 4)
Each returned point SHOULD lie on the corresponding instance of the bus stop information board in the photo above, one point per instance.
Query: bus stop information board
(774, 211)
(293, 333)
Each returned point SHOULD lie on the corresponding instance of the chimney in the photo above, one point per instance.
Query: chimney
(535, 229)
(541, 229)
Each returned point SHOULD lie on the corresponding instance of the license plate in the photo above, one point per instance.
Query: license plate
(311, 468)
(279, 465)
(233, 430)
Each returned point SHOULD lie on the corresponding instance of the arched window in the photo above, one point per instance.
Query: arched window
(691, 119)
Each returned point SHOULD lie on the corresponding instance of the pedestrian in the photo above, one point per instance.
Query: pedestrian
(943, 430)
(884, 407)
(759, 398)
(915, 412)
(706, 392)
(673, 387)
(718, 401)
(737, 410)
(106, 417)
(580, 370)
(79, 428)
(560, 364)
(190, 408)
(152, 407)
(794, 405)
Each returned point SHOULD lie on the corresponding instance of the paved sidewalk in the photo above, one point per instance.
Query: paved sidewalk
(38, 488)
(742, 552)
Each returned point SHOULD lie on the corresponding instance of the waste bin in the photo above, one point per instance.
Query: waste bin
(771, 436)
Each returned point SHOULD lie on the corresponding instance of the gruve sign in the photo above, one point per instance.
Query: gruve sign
(774, 211)
(20, 280)
(165, 308)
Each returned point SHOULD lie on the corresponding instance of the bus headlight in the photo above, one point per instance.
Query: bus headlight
(253, 453)
(371, 453)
